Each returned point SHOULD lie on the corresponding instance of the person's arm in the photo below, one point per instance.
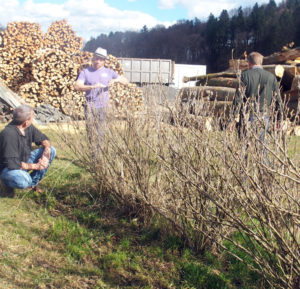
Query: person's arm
(29, 166)
(80, 86)
(239, 97)
(120, 79)
(237, 103)
(45, 158)
(43, 162)
(277, 93)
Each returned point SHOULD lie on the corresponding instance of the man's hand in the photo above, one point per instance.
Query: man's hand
(43, 162)
(120, 79)
(40, 165)
(47, 151)
(98, 85)
(45, 158)
(80, 86)
(30, 166)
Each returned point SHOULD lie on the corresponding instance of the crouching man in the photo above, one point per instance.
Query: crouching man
(20, 167)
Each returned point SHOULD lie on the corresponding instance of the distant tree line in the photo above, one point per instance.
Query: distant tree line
(264, 28)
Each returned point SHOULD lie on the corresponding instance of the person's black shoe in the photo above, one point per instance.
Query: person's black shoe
(6, 192)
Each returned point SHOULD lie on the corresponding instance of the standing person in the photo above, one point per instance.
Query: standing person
(95, 81)
(254, 97)
(16, 156)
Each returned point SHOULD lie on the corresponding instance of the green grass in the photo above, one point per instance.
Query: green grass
(66, 238)
(294, 147)
(238, 272)
(201, 277)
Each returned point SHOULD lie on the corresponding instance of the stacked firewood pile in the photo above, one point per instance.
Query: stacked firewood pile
(221, 87)
(114, 64)
(60, 36)
(42, 69)
(125, 98)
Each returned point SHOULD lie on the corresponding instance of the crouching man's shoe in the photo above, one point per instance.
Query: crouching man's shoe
(37, 189)
(6, 192)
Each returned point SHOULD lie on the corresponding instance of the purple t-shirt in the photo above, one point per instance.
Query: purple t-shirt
(97, 96)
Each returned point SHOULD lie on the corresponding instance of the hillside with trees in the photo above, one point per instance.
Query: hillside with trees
(265, 28)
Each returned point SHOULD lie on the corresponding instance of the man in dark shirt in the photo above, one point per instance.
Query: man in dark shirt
(257, 92)
(16, 156)
(258, 87)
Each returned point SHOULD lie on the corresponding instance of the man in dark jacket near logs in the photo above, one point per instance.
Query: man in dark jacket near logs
(257, 92)
(16, 157)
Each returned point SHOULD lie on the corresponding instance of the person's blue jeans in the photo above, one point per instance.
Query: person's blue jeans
(96, 119)
(261, 130)
(21, 179)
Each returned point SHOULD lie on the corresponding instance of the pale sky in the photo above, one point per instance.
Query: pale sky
(90, 18)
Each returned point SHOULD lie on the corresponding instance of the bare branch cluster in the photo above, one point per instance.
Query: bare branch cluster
(218, 190)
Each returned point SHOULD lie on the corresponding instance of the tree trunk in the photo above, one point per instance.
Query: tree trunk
(207, 92)
(292, 95)
(8, 97)
(223, 82)
(282, 56)
(208, 76)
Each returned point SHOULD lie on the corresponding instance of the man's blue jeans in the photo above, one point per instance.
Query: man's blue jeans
(261, 127)
(21, 179)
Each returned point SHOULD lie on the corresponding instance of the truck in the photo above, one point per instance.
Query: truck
(148, 71)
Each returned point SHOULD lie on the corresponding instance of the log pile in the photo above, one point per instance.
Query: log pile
(60, 36)
(114, 64)
(125, 98)
(221, 86)
(42, 69)
(18, 45)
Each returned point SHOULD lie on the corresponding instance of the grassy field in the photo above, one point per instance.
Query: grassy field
(63, 238)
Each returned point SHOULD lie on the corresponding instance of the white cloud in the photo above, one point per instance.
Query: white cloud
(95, 17)
(168, 4)
(87, 18)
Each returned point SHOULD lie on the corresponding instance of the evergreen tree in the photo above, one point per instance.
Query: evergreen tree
(257, 26)
(264, 28)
